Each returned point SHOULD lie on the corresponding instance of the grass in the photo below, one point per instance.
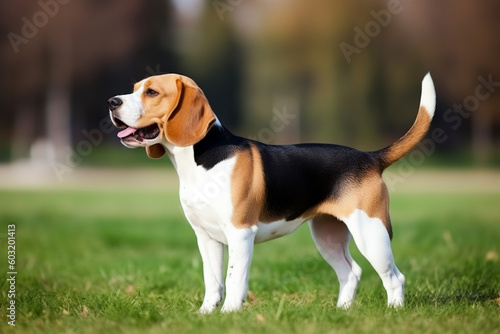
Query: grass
(127, 262)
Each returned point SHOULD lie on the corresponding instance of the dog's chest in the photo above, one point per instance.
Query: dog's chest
(205, 196)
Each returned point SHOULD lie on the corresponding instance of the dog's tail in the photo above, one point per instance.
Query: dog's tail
(405, 144)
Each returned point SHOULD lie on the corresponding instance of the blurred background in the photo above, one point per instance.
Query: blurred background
(281, 71)
(101, 224)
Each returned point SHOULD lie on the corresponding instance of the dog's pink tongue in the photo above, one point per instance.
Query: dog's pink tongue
(127, 132)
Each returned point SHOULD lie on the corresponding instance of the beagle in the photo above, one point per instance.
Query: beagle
(240, 192)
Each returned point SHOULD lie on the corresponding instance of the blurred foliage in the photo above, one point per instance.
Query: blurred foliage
(61, 62)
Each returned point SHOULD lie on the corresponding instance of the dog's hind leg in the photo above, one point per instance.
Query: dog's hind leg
(332, 237)
(373, 241)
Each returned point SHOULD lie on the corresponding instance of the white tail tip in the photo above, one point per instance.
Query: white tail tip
(428, 97)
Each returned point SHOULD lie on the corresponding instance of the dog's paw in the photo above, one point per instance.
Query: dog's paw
(396, 303)
(344, 305)
(207, 308)
(229, 307)
(210, 303)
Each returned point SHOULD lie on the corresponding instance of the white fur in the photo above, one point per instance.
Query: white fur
(428, 96)
(205, 195)
(212, 254)
(240, 248)
(131, 109)
(273, 230)
(372, 240)
(217, 122)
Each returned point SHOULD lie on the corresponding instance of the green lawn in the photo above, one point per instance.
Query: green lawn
(127, 262)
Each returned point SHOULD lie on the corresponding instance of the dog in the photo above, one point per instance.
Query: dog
(240, 192)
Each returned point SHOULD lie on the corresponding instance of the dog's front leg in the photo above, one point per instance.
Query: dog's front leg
(240, 246)
(212, 254)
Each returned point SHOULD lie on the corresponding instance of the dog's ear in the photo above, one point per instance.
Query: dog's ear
(155, 151)
(191, 118)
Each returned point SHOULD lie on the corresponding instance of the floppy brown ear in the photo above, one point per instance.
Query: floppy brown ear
(190, 121)
(155, 151)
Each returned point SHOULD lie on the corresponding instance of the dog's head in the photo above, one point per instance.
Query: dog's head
(167, 107)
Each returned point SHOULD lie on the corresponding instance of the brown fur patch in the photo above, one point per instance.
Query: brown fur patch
(369, 194)
(191, 120)
(247, 188)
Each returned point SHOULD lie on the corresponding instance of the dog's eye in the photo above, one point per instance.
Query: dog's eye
(151, 92)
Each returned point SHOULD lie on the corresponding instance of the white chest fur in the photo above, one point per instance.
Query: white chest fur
(205, 195)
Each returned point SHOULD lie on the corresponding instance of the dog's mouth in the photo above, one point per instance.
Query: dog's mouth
(148, 132)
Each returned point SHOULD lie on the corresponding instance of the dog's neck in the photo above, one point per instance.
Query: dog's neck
(219, 144)
(182, 158)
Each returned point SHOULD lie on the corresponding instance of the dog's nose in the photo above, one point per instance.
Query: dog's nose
(114, 103)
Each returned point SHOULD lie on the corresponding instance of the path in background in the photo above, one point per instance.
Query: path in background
(423, 180)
